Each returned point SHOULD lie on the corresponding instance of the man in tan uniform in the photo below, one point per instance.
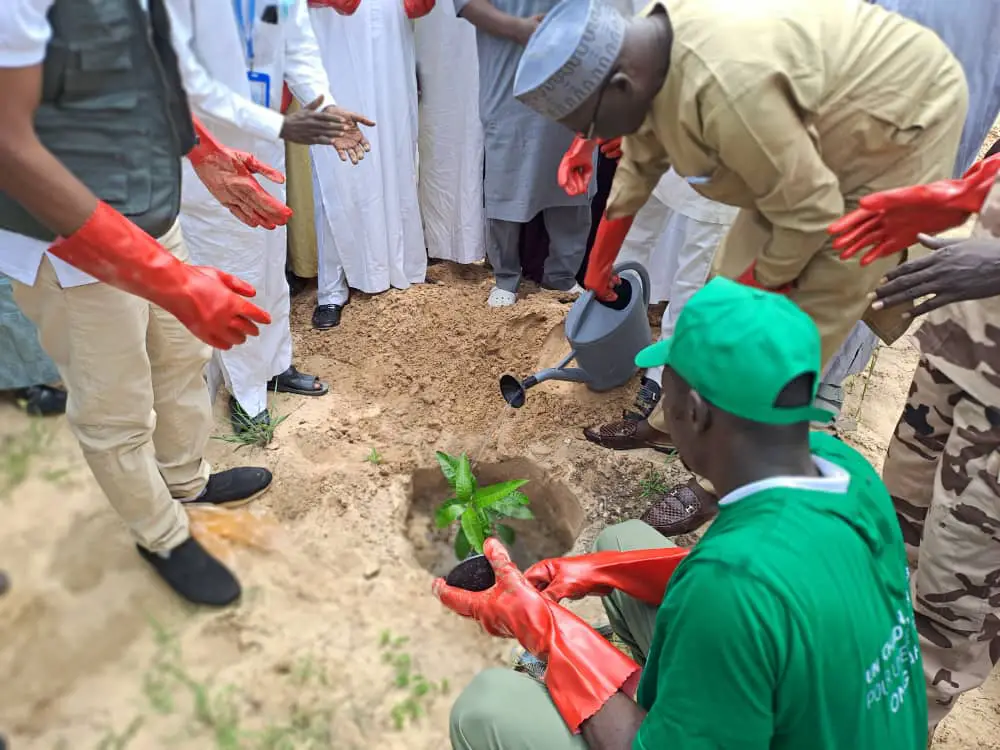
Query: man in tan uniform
(943, 463)
(791, 111)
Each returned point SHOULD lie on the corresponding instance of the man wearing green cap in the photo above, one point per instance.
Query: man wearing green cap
(789, 625)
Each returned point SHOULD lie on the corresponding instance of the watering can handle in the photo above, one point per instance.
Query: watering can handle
(631, 265)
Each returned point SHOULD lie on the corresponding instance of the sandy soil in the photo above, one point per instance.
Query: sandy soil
(338, 640)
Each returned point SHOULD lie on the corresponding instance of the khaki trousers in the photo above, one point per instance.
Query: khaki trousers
(505, 710)
(942, 470)
(138, 403)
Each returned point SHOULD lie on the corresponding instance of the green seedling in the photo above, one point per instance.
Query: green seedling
(419, 691)
(478, 510)
(374, 458)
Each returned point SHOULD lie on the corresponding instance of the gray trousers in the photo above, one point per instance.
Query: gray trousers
(568, 228)
(506, 710)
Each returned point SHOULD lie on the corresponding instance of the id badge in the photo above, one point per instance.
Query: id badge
(260, 88)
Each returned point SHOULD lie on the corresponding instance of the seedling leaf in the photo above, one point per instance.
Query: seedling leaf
(474, 528)
(506, 534)
(448, 513)
(449, 467)
(464, 482)
(462, 547)
(520, 512)
(487, 497)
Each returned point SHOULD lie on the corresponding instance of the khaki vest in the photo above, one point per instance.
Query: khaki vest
(113, 111)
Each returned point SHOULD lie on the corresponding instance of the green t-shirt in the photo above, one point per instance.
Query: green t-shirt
(790, 625)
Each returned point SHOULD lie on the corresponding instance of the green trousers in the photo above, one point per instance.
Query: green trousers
(506, 710)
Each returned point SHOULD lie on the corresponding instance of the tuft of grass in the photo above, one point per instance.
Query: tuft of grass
(254, 434)
(653, 484)
(213, 713)
(374, 457)
(114, 741)
(17, 452)
(418, 693)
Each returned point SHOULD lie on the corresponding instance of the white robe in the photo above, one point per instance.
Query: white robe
(213, 64)
(367, 216)
(675, 236)
(451, 137)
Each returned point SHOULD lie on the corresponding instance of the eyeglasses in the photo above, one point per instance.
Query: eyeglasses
(589, 134)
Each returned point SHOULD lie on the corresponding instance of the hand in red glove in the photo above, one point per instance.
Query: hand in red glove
(889, 222)
(749, 278)
(642, 574)
(599, 277)
(229, 176)
(584, 670)
(343, 7)
(210, 303)
(417, 8)
(577, 166)
(611, 148)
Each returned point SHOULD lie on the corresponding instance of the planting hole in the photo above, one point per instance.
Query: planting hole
(559, 518)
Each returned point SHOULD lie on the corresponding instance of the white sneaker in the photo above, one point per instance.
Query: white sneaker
(576, 291)
(501, 298)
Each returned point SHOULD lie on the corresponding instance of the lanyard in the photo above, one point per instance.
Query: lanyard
(246, 30)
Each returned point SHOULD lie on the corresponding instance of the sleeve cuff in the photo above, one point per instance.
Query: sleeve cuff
(270, 124)
(306, 94)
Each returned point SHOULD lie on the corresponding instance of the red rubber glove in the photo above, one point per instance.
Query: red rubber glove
(608, 243)
(583, 671)
(611, 148)
(343, 7)
(642, 574)
(210, 303)
(749, 278)
(889, 222)
(417, 8)
(229, 176)
(577, 166)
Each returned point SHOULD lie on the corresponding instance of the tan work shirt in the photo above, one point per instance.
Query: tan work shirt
(792, 109)
(963, 340)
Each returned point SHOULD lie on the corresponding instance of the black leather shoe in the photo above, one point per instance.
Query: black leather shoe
(234, 487)
(327, 316)
(194, 574)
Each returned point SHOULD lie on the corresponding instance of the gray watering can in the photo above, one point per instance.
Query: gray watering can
(604, 337)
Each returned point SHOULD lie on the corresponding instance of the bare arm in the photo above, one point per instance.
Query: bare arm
(29, 173)
(615, 726)
(487, 18)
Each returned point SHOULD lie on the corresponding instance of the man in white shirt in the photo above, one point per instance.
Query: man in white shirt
(92, 131)
(234, 57)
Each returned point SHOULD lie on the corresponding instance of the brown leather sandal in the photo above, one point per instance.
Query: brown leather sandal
(681, 510)
(623, 435)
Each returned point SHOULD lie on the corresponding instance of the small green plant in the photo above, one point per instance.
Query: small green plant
(256, 434)
(653, 484)
(419, 691)
(374, 458)
(478, 510)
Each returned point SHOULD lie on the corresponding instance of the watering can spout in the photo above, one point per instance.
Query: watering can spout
(514, 390)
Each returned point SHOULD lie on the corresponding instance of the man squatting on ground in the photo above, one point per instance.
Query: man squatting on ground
(788, 626)
(92, 132)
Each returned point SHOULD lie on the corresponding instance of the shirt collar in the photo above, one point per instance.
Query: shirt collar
(832, 479)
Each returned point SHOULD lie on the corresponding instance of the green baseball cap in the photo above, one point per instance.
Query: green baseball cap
(739, 347)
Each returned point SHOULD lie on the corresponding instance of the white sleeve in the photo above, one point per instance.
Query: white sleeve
(215, 99)
(24, 32)
(304, 70)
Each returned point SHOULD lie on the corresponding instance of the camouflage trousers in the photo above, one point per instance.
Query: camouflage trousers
(942, 469)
